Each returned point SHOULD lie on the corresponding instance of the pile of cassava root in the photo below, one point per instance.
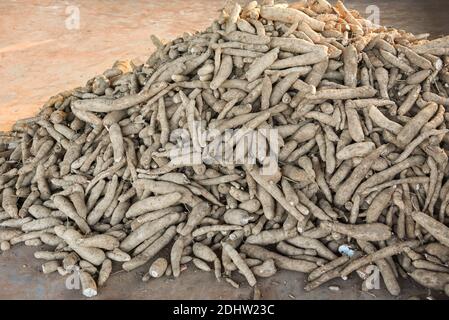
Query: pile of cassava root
(362, 173)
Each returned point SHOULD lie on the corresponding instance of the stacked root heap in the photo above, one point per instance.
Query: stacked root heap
(102, 177)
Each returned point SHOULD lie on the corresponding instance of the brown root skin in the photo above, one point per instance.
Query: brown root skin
(98, 211)
(438, 250)
(102, 178)
(260, 64)
(411, 129)
(343, 94)
(355, 150)
(145, 186)
(306, 59)
(438, 230)
(70, 236)
(151, 250)
(118, 255)
(69, 210)
(9, 203)
(237, 217)
(308, 243)
(289, 15)
(198, 212)
(389, 173)
(5, 246)
(70, 261)
(152, 204)
(265, 270)
(430, 279)
(223, 73)
(280, 261)
(315, 274)
(41, 224)
(48, 255)
(379, 203)
(146, 230)
(386, 252)
(50, 267)
(367, 232)
(276, 193)
(101, 241)
(347, 188)
(88, 285)
(115, 134)
(103, 105)
(202, 265)
(204, 252)
(329, 275)
(105, 272)
(176, 254)
(428, 265)
(271, 236)
(385, 269)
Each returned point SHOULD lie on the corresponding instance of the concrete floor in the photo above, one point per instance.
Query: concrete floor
(40, 57)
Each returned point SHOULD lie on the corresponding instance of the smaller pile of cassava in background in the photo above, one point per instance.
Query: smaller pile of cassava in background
(360, 113)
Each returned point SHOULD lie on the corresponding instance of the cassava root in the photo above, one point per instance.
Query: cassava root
(359, 117)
